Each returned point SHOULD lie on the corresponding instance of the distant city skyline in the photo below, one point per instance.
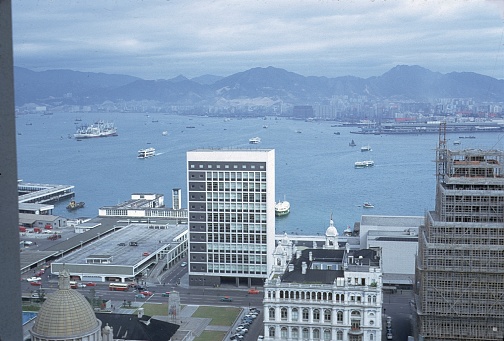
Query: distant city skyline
(163, 39)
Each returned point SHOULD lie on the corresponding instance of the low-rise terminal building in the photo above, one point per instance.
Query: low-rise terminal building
(133, 250)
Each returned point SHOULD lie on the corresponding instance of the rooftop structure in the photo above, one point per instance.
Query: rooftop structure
(460, 265)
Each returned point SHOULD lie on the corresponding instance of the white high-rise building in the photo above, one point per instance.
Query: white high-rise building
(231, 205)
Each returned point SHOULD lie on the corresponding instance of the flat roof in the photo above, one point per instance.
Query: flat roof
(148, 239)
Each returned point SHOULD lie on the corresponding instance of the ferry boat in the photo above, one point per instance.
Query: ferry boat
(97, 129)
(255, 140)
(282, 208)
(145, 153)
(364, 164)
(366, 148)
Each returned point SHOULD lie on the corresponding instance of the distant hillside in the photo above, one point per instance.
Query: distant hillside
(265, 85)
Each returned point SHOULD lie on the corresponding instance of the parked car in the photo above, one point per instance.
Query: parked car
(90, 284)
(166, 294)
(226, 299)
(183, 264)
(253, 291)
(139, 296)
(39, 273)
(34, 279)
(260, 338)
(389, 336)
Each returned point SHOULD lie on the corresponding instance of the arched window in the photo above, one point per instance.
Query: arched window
(339, 317)
(327, 334)
(327, 315)
(272, 332)
(316, 334)
(272, 314)
(283, 313)
(374, 298)
(339, 335)
(316, 315)
(295, 314)
(306, 335)
(295, 333)
(283, 333)
(305, 314)
(371, 337)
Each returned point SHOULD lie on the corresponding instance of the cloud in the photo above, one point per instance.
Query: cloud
(162, 39)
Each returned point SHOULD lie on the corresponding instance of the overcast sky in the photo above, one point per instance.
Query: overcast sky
(155, 39)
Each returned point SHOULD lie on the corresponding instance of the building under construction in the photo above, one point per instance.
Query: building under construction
(459, 289)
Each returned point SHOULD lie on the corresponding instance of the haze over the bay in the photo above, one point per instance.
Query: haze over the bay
(162, 39)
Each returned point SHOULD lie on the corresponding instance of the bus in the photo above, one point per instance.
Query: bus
(118, 286)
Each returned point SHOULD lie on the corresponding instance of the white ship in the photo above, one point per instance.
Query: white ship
(365, 148)
(255, 140)
(364, 164)
(97, 129)
(282, 208)
(145, 153)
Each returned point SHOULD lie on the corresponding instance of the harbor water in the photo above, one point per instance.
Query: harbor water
(314, 163)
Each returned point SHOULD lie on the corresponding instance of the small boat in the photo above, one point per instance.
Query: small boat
(298, 131)
(337, 133)
(457, 142)
(255, 140)
(364, 164)
(352, 144)
(164, 133)
(145, 153)
(265, 126)
(366, 148)
(73, 205)
(367, 205)
(282, 208)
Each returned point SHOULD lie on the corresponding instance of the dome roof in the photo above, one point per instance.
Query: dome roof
(65, 313)
(331, 230)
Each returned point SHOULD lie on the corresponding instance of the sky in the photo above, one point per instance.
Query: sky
(161, 39)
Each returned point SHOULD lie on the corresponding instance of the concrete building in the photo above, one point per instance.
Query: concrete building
(397, 237)
(231, 204)
(460, 265)
(323, 293)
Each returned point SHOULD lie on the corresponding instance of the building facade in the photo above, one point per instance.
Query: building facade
(324, 293)
(231, 214)
(460, 264)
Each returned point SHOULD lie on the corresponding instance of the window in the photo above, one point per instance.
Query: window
(295, 333)
(305, 334)
(339, 317)
(295, 314)
(272, 332)
(327, 334)
(316, 315)
(339, 335)
(316, 334)
(305, 314)
(283, 313)
(272, 314)
(283, 333)
(327, 315)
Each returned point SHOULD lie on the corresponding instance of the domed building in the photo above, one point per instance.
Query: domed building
(66, 315)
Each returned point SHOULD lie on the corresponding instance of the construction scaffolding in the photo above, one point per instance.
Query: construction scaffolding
(459, 289)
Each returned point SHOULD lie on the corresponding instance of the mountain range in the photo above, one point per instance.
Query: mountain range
(258, 86)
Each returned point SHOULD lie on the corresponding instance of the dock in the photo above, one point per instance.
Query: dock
(43, 193)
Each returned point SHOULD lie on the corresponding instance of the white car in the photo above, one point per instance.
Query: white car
(183, 264)
(34, 279)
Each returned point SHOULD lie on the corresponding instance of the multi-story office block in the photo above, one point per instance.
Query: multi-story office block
(231, 204)
(460, 265)
(324, 293)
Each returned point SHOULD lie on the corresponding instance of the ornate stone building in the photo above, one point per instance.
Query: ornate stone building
(323, 293)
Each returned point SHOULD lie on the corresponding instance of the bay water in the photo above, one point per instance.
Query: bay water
(314, 163)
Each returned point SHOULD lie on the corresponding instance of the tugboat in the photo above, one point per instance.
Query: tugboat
(73, 205)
